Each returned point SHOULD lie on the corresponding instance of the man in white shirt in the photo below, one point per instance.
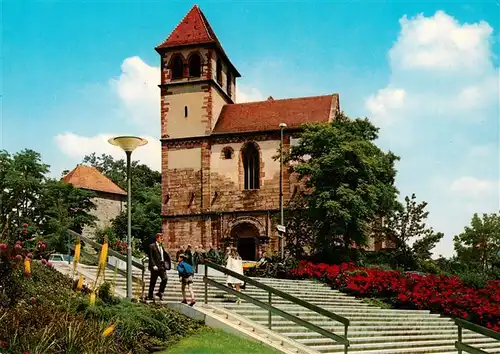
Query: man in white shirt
(159, 263)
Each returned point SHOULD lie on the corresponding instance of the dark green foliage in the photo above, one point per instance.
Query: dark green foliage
(144, 327)
(479, 244)
(46, 316)
(407, 224)
(350, 180)
(45, 206)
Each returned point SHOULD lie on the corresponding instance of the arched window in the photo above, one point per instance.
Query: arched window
(219, 72)
(251, 166)
(177, 67)
(195, 65)
(227, 153)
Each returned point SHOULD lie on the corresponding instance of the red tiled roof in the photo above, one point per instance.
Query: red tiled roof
(267, 115)
(193, 29)
(87, 177)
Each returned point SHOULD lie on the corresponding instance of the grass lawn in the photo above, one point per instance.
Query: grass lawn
(212, 341)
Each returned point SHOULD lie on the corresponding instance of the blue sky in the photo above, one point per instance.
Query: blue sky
(76, 72)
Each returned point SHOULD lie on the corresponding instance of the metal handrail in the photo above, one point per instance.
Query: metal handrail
(117, 255)
(274, 310)
(110, 251)
(475, 328)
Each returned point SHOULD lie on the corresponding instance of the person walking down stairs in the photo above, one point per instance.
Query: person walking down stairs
(159, 263)
(186, 278)
(235, 264)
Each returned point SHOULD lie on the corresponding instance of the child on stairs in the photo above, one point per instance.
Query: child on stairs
(186, 278)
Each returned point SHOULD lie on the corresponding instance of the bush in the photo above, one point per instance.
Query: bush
(40, 313)
(447, 295)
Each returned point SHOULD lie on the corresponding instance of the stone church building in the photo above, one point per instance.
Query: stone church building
(220, 178)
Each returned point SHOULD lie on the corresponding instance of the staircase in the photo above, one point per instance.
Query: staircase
(372, 329)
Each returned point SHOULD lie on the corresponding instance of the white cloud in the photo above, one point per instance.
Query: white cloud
(137, 89)
(384, 103)
(441, 43)
(77, 146)
(473, 187)
(439, 112)
(248, 94)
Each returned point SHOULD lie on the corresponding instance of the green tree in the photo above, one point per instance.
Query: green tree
(48, 206)
(350, 180)
(406, 227)
(65, 208)
(146, 196)
(22, 178)
(479, 244)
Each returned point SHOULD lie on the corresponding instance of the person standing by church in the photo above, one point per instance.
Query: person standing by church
(159, 263)
(235, 264)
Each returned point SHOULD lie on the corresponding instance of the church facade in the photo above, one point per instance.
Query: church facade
(220, 177)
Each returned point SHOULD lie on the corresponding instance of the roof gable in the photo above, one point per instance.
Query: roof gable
(267, 115)
(87, 177)
(193, 29)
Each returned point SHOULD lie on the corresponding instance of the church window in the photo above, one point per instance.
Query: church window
(219, 72)
(177, 67)
(185, 111)
(251, 168)
(227, 153)
(195, 65)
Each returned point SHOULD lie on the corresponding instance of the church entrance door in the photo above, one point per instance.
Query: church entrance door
(246, 237)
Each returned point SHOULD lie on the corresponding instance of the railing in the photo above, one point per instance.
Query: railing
(274, 310)
(475, 328)
(118, 255)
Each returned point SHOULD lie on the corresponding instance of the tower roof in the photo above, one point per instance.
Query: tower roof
(87, 177)
(192, 30)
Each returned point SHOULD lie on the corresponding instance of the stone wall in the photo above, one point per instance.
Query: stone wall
(109, 207)
(215, 229)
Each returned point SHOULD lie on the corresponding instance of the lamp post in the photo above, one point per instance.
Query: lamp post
(128, 144)
(282, 221)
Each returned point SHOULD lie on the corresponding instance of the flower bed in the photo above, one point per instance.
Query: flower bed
(442, 294)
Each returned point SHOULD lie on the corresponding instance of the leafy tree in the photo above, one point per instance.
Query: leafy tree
(300, 229)
(350, 180)
(65, 208)
(407, 229)
(479, 244)
(146, 196)
(21, 187)
(28, 197)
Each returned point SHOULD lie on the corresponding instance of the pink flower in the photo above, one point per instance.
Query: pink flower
(3, 246)
(29, 255)
(18, 246)
(33, 300)
(49, 264)
(19, 257)
(43, 246)
(25, 225)
(44, 261)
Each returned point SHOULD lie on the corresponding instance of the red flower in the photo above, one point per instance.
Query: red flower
(25, 225)
(3, 246)
(44, 261)
(33, 300)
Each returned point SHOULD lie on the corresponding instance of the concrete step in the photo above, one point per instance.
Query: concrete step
(400, 345)
(469, 338)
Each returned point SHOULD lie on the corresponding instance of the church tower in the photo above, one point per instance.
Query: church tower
(197, 80)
